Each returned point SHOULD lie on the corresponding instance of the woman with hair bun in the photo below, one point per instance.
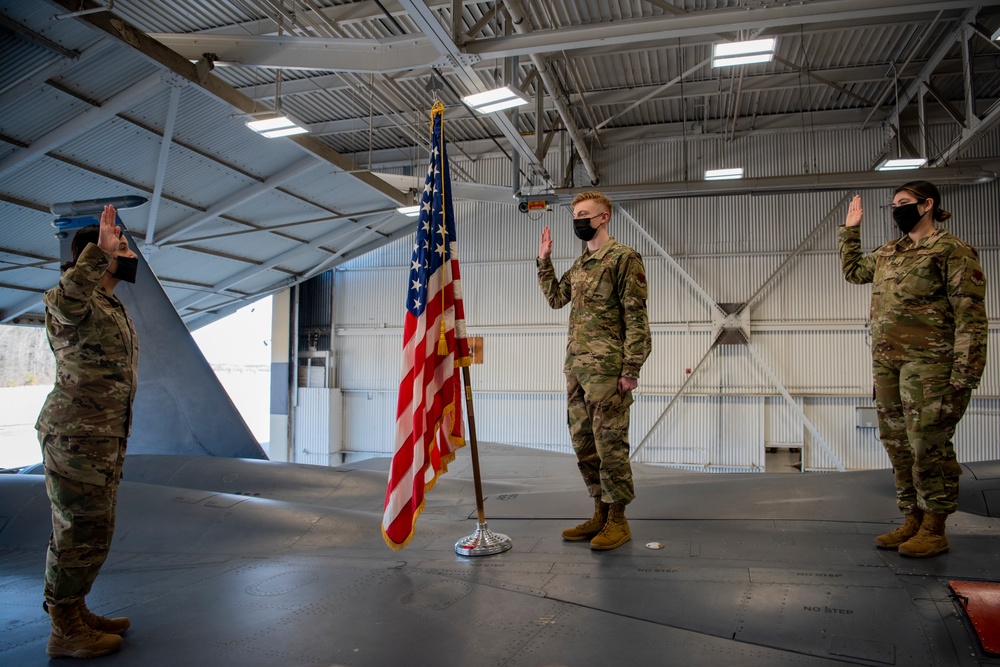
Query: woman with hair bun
(929, 331)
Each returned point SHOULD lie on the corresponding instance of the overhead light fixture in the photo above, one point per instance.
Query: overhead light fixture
(496, 99)
(723, 174)
(743, 53)
(276, 126)
(898, 164)
(411, 211)
(996, 36)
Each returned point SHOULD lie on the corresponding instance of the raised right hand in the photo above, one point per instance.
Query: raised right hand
(107, 235)
(854, 212)
(545, 245)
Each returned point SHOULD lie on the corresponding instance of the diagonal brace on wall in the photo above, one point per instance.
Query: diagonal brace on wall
(723, 330)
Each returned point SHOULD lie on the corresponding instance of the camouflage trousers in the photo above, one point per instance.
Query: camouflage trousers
(81, 478)
(598, 426)
(918, 411)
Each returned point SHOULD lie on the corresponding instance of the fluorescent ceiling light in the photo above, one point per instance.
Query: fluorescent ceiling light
(411, 211)
(996, 36)
(898, 164)
(743, 53)
(279, 126)
(723, 174)
(495, 100)
(743, 60)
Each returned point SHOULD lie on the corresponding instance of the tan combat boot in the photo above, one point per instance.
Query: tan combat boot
(894, 538)
(72, 638)
(929, 540)
(591, 526)
(112, 626)
(616, 531)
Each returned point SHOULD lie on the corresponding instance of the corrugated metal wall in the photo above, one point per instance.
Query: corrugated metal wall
(807, 323)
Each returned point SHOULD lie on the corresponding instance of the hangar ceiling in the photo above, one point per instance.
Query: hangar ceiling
(142, 97)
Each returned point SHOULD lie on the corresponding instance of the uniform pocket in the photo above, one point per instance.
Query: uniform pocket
(89, 460)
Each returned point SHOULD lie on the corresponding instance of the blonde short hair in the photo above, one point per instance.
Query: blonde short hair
(599, 197)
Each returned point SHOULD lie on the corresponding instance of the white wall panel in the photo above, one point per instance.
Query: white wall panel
(834, 418)
(703, 432)
(976, 436)
(812, 288)
(312, 427)
(370, 297)
(369, 360)
(535, 419)
(783, 426)
(990, 384)
(818, 362)
(672, 298)
(518, 362)
(674, 353)
(370, 421)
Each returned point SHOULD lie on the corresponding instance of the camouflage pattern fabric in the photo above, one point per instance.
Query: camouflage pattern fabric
(918, 411)
(929, 333)
(96, 350)
(608, 325)
(81, 478)
(598, 419)
(608, 338)
(84, 422)
(928, 300)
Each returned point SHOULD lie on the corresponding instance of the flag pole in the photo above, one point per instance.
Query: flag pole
(483, 542)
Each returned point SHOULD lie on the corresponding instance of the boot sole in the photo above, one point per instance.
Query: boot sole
(890, 547)
(608, 547)
(581, 538)
(926, 554)
(60, 653)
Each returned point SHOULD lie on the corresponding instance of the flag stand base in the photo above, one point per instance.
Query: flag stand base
(483, 542)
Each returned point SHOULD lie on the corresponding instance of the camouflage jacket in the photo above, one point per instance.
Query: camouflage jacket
(928, 300)
(97, 354)
(608, 326)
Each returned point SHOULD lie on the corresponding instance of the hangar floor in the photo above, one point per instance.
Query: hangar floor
(231, 562)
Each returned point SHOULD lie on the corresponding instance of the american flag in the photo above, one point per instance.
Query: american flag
(429, 425)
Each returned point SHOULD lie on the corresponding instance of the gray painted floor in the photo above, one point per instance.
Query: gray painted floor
(229, 562)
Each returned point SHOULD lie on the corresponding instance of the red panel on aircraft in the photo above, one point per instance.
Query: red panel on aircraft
(982, 603)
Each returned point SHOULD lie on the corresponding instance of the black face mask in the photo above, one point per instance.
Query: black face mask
(127, 268)
(582, 228)
(907, 216)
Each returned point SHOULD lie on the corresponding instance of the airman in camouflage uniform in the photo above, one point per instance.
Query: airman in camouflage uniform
(608, 341)
(83, 427)
(929, 332)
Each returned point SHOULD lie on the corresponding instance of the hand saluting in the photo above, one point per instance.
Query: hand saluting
(854, 212)
(107, 235)
(545, 245)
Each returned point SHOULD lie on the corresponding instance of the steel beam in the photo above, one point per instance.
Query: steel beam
(173, 62)
(161, 163)
(380, 56)
(278, 259)
(226, 204)
(23, 306)
(461, 64)
(80, 124)
(636, 33)
(556, 93)
(931, 64)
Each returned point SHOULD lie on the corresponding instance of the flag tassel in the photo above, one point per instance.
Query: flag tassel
(442, 342)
